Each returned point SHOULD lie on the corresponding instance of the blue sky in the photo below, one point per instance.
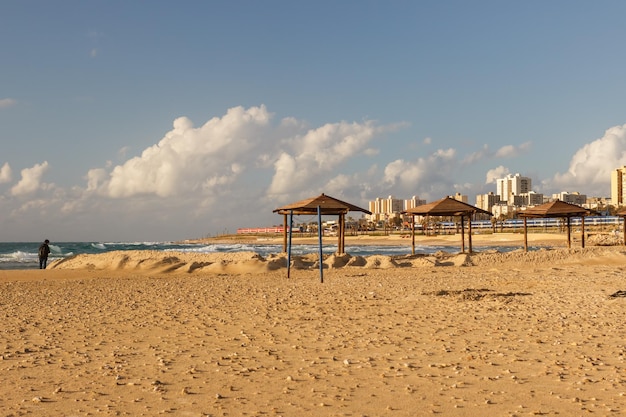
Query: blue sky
(160, 120)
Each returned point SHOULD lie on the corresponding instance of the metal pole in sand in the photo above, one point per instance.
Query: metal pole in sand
(319, 237)
(413, 234)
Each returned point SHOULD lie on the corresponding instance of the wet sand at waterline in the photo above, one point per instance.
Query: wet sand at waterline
(146, 333)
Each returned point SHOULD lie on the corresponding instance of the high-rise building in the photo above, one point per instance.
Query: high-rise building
(512, 185)
(487, 201)
(385, 208)
(618, 185)
(413, 202)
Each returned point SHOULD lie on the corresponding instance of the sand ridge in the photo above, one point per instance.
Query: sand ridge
(251, 262)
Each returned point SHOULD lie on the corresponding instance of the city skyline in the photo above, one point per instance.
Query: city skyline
(134, 121)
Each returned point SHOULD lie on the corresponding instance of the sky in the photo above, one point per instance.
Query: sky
(160, 120)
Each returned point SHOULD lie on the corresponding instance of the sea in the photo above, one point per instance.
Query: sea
(23, 255)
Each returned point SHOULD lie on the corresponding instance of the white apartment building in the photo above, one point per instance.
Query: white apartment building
(512, 185)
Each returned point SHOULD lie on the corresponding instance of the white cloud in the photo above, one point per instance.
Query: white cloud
(427, 141)
(511, 151)
(6, 174)
(474, 157)
(495, 173)
(189, 159)
(431, 175)
(31, 180)
(7, 102)
(590, 167)
(506, 151)
(318, 152)
(95, 178)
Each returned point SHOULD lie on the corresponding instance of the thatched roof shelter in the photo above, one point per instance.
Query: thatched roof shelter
(320, 205)
(447, 206)
(327, 205)
(556, 208)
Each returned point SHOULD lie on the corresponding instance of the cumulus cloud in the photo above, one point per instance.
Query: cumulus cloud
(495, 173)
(6, 174)
(188, 159)
(474, 157)
(7, 102)
(95, 178)
(592, 164)
(429, 174)
(229, 161)
(31, 180)
(506, 151)
(319, 151)
(510, 151)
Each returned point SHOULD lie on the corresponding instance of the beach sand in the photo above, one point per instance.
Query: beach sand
(147, 333)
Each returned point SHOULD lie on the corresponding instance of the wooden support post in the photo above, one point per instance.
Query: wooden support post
(462, 234)
(525, 235)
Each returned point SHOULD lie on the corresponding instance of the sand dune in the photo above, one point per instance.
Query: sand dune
(144, 334)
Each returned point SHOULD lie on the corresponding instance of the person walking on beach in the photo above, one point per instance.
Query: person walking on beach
(44, 251)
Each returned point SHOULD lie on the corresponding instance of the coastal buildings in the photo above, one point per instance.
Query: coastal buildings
(385, 209)
(460, 197)
(509, 187)
(618, 185)
(487, 201)
(413, 202)
(573, 198)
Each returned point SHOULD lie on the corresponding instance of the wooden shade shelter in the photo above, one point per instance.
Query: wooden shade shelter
(622, 213)
(447, 206)
(557, 208)
(320, 205)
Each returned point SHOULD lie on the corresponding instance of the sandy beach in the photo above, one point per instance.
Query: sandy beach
(147, 333)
